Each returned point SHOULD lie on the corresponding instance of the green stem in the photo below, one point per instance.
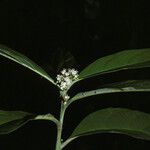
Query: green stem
(60, 127)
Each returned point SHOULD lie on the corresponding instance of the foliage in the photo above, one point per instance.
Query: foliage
(108, 120)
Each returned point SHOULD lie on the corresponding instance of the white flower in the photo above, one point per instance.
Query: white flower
(63, 85)
(75, 76)
(66, 74)
(63, 71)
(66, 97)
(74, 72)
(59, 78)
(66, 78)
(65, 103)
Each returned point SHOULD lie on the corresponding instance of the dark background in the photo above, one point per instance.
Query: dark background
(69, 33)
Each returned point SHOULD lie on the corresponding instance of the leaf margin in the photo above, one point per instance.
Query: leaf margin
(8, 53)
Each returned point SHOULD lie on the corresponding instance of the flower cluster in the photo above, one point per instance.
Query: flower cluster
(65, 79)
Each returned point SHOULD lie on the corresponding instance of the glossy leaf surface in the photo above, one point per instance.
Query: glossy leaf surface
(24, 61)
(12, 120)
(114, 120)
(128, 59)
(127, 86)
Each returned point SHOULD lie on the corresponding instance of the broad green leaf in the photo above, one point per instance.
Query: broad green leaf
(12, 120)
(127, 86)
(24, 61)
(128, 59)
(114, 120)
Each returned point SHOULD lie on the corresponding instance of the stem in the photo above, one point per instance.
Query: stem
(60, 127)
(67, 142)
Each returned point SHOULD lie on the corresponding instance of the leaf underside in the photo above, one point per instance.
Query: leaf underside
(12, 120)
(128, 59)
(24, 61)
(115, 120)
(119, 87)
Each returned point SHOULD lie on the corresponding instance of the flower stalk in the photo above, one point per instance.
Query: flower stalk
(64, 82)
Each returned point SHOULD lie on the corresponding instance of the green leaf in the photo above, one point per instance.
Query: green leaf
(24, 61)
(114, 120)
(12, 120)
(127, 86)
(128, 59)
(48, 117)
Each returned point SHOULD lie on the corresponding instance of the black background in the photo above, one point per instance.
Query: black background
(87, 29)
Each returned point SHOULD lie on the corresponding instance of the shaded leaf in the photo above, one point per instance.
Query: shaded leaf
(127, 86)
(12, 120)
(114, 120)
(128, 59)
(24, 61)
(48, 117)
